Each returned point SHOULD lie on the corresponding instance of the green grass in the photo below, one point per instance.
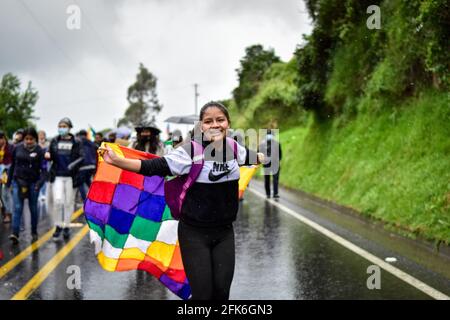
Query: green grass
(393, 165)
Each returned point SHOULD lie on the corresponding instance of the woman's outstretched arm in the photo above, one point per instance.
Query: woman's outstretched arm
(150, 167)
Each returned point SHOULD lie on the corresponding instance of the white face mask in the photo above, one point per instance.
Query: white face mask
(63, 131)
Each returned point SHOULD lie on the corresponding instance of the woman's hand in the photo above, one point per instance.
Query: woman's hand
(112, 158)
(261, 157)
(47, 156)
(108, 155)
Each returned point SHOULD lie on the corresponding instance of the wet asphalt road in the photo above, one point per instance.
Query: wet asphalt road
(277, 257)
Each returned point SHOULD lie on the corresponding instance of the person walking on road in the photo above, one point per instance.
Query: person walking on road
(26, 175)
(205, 229)
(272, 150)
(87, 169)
(6, 151)
(67, 156)
(43, 193)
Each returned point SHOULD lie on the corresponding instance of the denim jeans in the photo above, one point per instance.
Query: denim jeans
(18, 207)
(6, 195)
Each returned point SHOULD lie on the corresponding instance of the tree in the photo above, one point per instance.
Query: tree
(16, 107)
(142, 99)
(253, 66)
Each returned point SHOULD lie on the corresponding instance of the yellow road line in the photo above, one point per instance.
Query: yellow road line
(39, 277)
(11, 264)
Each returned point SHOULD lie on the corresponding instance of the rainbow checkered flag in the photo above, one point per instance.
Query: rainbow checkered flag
(131, 225)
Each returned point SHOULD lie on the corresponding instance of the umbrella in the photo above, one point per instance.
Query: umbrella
(190, 119)
(155, 131)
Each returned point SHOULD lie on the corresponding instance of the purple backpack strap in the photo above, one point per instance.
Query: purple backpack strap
(175, 190)
(233, 144)
(196, 168)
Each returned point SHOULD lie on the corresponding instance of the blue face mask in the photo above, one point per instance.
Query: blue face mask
(63, 131)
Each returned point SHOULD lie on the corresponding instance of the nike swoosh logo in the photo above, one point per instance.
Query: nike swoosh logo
(213, 177)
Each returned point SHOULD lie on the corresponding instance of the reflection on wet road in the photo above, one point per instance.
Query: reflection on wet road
(277, 257)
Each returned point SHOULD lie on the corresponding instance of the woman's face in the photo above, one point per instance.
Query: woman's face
(29, 141)
(214, 124)
(145, 134)
(41, 136)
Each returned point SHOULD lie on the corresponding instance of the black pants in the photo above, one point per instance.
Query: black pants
(208, 259)
(275, 182)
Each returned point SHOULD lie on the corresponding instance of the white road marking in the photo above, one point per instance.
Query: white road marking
(419, 285)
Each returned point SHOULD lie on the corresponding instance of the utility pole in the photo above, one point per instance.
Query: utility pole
(196, 97)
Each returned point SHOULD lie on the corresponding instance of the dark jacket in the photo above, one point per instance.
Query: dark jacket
(268, 148)
(75, 155)
(90, 154)
(27, 166)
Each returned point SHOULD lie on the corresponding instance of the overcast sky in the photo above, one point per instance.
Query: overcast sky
(84, 74)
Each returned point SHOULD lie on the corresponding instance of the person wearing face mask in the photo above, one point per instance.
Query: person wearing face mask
(148, 140)
(67, 155)
(26, 175)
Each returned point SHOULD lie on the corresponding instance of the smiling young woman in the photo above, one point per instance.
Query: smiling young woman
(205, 230)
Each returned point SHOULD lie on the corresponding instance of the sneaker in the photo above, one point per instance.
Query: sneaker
(276, 196)
(14, 238)
(34, 237)
(267, 196)
(57, 232)
(66, 233)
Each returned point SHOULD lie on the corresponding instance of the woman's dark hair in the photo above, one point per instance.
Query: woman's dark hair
(154, 143)
(215, 104)
(30, 132)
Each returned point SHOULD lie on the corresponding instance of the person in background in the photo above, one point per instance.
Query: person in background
(18, 137)
(43, 142)
(148, 140)
(26, 175)
(99, 139)
(272, 150)
(177, 138)
(6, 151)
(67, 156)
(174, 140)
(87, 169)
(112, 136)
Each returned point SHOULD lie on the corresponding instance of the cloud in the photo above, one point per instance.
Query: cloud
(84, 74)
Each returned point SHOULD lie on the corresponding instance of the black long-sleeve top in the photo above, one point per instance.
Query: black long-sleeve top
(28, 165)
(213, 198)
